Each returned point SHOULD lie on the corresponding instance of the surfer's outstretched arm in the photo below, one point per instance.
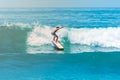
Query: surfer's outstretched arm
(61, 27)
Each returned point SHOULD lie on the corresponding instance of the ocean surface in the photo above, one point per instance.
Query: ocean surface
(91, 40)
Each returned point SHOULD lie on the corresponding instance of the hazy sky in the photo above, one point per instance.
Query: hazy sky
(59, 3)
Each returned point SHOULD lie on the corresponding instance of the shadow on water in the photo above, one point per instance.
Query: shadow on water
(12, 40)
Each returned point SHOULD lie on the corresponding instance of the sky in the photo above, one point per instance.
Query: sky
(58, 3)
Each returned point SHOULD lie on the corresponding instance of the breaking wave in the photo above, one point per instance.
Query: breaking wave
(21, 37)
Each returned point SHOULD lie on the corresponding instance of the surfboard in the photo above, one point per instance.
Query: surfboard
(58, 45)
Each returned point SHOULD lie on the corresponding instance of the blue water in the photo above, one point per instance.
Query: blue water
(90, 38)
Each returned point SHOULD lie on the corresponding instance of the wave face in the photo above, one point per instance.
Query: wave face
(13, 38)
(86, 30)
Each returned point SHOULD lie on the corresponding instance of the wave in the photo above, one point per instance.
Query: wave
(19, 37)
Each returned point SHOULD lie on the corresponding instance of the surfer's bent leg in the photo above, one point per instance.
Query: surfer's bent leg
(55, 38)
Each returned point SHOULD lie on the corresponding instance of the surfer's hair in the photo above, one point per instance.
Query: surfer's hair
(57, 27)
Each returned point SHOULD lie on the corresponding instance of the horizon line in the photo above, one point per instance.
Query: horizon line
(57, 7)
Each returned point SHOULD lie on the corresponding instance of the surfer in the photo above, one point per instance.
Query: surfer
(55, 38)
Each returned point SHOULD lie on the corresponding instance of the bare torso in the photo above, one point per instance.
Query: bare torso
(55, 30)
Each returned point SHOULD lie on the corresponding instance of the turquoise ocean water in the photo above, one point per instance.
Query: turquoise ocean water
(90, 38)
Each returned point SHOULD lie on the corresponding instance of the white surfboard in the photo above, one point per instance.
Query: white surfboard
(58, 45)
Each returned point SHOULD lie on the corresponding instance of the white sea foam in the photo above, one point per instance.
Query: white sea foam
(39, 36)
(104, 37)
